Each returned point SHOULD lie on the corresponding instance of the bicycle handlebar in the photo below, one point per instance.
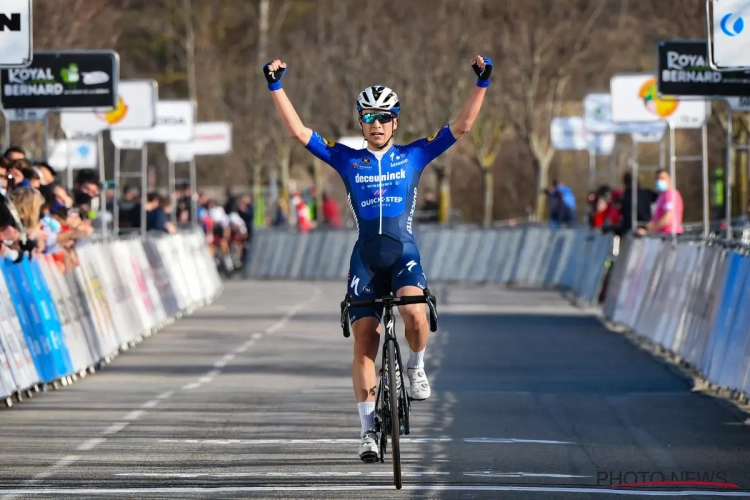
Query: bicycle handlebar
(389, 301)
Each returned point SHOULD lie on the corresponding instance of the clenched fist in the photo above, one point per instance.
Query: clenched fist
(273, 71)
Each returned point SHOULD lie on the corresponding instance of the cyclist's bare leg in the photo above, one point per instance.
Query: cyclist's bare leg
(366, 341)
(366, 345)
(417, 331)
(414, 317)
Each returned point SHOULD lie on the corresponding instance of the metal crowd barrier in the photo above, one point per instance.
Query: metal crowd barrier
(688, 297)
(55, 328)
(532, 256)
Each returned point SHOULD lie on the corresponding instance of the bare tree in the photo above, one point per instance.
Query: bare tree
(544, 42)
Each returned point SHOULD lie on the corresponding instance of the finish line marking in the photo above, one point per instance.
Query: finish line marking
(252, 489)
(351, 441)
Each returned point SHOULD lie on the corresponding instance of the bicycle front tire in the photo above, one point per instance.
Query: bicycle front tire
(395, 424)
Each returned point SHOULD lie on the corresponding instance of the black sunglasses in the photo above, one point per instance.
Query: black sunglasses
(369, 118)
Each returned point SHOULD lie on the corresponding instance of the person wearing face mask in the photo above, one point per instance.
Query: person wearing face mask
(667, 217)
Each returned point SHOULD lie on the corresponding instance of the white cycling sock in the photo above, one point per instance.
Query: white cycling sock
(367, 416)
(416, 359)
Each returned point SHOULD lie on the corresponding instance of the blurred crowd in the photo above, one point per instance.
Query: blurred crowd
(40, 216)
(611, 209)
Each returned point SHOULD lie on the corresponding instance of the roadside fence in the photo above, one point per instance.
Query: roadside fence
(690, 299)
(55, 328)
(526, 256)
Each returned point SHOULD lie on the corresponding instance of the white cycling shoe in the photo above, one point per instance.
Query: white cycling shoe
(420, 387)
(368, 448)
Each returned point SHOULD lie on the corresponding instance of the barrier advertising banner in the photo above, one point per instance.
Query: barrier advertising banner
(136, 108)
(16, 33)
(635, 99)
(175, 122)
(684, 71)
(731, 33)
(210, 139)
(569, 134)
(57, 81)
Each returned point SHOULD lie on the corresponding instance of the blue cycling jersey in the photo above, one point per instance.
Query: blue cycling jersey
(382, 187)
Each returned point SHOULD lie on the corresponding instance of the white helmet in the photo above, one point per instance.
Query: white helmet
(378, 97)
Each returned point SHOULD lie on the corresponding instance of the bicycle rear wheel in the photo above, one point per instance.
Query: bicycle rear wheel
(395, 424)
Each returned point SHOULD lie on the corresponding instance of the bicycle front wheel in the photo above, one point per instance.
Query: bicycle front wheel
(395, 424)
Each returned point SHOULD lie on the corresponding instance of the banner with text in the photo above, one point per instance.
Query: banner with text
(56, 81)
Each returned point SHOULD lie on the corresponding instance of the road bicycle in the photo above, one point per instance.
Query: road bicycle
(392, 403)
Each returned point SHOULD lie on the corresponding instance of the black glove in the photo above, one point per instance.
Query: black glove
(273, 77)
(483, 74)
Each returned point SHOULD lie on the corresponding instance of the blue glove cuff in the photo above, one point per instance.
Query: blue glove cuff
(483, 83)
(274, 86)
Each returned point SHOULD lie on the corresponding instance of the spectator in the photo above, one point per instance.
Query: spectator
(246, 211)
(644, 199)
(47, 173)
(31, 177)
(152, 203)
(231, 204)
(667, 217)
(280, 217)
(183, 203)
(567, 193)
(430, 208)
(4, 171)
(16, 178)
(130, 209)
(304, 224)
(160, 218)
(561, 215)
(28, 203)
(15, 153)
(606, 214)
(331, 213)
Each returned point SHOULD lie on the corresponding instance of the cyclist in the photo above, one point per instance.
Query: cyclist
(381, 183)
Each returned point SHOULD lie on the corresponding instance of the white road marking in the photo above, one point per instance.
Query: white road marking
(220, 364)
(165, 395)
(193, 475)
(115, 428)
(134, 415)
(150, 404)
(519, 474)
(350, 441)
(251, 489)
(513, 440)
(90, 444)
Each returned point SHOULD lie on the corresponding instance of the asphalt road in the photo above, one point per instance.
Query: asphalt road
(251, 397)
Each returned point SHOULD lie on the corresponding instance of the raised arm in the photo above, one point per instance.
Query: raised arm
(273, 72)
(462, 124)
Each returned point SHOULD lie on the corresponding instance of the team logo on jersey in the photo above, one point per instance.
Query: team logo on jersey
(354, 165)
(432, 137)
(365, 161)
(329, 143)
